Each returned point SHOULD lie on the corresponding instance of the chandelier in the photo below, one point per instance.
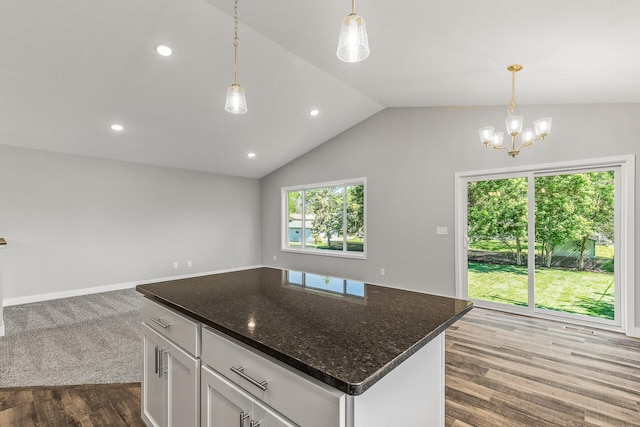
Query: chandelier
(353, 43)
(236, 102)
(542, 127)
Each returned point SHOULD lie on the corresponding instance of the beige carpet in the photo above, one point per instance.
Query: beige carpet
(92, 339)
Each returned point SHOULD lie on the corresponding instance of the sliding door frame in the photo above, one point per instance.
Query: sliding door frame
(625, 233)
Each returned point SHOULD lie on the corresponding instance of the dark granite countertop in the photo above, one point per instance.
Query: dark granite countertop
(345, 333)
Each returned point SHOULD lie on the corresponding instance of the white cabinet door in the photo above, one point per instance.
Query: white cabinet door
(170, 383)
(222, 403)
(268, 418)
(182, 373)
(153, 388)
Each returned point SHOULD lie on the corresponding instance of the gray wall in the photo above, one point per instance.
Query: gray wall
(410, 156)
(76, 222)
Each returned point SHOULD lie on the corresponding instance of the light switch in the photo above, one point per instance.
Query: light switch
(441, 230)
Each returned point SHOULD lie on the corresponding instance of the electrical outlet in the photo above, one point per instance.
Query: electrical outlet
(189, 263)
(175, 265)
(274, 257)
(442, 230)
(382, 271)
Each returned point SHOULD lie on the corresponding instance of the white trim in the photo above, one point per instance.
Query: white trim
(107, 288)
(635, 332)
(2, 331)
(627, 223)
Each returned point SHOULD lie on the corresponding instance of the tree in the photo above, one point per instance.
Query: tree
(599, 210)
(497, 210)
(355, 210)
(326, 205)
(561, 205)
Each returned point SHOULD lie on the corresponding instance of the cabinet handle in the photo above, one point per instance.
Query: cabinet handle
(254, 423)
(243, 417)
(262, 385)
(156, 371)
(159, 322)
(161, 351)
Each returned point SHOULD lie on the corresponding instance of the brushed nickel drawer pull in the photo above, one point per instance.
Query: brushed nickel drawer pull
(254, 423)
(159, 322)
(262, 385)
(243, 417)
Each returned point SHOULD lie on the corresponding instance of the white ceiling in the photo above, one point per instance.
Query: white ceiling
(69, 68)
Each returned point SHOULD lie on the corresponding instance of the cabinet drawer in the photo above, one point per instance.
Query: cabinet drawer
(304, 400)
(173, 325)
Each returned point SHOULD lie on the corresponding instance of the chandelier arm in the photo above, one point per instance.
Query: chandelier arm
(529, 143)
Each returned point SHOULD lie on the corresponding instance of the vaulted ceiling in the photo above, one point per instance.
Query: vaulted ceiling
(70, 68)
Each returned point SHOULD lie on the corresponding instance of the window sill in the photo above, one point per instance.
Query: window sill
(351, 255)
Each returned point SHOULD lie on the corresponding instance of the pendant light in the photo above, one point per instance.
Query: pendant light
(353, 44)
(236, 102)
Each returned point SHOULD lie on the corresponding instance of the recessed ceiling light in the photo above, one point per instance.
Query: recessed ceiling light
(251, 155)
(117, 127)
(163, 50)
(314, 112)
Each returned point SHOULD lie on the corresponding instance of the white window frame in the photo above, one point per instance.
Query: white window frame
(625, 235)
(323, 252)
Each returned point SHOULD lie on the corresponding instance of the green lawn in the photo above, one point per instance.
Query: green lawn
(569, 291)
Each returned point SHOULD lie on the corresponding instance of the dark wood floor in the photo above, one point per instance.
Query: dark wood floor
(506, 370)
(110, 405)
(501, 370)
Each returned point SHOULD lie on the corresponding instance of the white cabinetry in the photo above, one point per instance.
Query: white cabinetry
(171, 375)
(225, 404)
(238, 379)
(195, 375)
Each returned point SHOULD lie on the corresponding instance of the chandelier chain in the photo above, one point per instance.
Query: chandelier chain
(511, 110)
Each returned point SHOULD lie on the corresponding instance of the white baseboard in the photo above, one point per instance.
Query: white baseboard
(107, 288)
(635, 332)
(2, 331)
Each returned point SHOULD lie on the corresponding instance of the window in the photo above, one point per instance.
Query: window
(540, 240)
(325, 219)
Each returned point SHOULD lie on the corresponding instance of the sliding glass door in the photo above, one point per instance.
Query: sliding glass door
(544, 242)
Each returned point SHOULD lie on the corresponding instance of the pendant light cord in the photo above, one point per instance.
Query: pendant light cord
(235, 42)
(353, 7)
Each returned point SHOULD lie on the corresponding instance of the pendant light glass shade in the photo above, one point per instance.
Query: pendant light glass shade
(486, 134)
(236, 102)
(514, 125)
(496, 141)
(353, 44)
(543, 126)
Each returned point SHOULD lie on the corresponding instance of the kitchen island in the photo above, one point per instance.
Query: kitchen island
(372, 355)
